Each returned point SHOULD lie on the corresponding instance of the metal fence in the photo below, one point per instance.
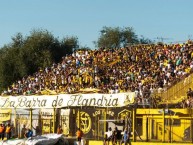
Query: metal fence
(176, 93)
(173, 130)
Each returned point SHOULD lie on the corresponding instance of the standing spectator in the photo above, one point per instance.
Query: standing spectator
(126, 137)
(79, 135)
(116, 136)
(108, 136)
(8, 131)
(23, 131)
(38, 130)
(13, 131)
(29, 133)
(2, 131)
(59, 130)
(189, 92)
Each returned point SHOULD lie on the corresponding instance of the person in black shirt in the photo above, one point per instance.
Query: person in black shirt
(189, 93)
(116, 137)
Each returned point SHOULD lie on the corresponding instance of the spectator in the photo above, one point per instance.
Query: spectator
(79, 135)
(59, 130)
(116, 136)
(126, 137)
(29, 133)
(8, 131)
(2, 131)
(189, 93)
(108, 136)
(23, 131)
(38, 130)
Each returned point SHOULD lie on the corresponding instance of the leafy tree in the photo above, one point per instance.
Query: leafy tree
(128, 36)
(84, 48)
(35, 52)
(41, 49)
(26, 55)
(17, 40)
(109, 37)
(11, 67)
(144, 40)
(69, 44)
(116, 37)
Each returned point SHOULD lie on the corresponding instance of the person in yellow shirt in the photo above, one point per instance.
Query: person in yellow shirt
(8, 131)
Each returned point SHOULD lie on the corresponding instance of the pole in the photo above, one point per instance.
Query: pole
(134, 124)
(54, 120)
(192, 130)
(147, 127)
(163, 126)
(19, 132)
(15, 123)
(105, 123)
(191, 125)
(31, 119)
(170, 121)
(79, 118)
(98, 130)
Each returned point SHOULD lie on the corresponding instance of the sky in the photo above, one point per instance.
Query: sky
(171, 20)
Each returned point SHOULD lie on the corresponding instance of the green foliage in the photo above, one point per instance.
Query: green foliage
(144, 40)
(116, 37)
(84, 48)
(25, 56)
(110, 37)
(69, 44)
(128, 36)
(11, 66)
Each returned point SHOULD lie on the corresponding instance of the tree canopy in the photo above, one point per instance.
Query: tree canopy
(116, 37)
(25, 55)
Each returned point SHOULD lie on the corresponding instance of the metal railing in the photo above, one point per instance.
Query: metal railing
(177, 92)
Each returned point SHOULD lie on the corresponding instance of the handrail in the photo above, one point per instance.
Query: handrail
(177, 92)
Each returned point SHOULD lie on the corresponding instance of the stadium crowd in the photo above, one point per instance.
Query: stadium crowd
(143, 69)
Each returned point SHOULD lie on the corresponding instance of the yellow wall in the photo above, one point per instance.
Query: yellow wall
(138, 143)
(157, 111)
(155, 124)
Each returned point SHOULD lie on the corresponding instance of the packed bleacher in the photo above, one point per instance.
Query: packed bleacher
(142, 69)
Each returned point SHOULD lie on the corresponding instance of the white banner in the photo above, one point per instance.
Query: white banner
(68, 100)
